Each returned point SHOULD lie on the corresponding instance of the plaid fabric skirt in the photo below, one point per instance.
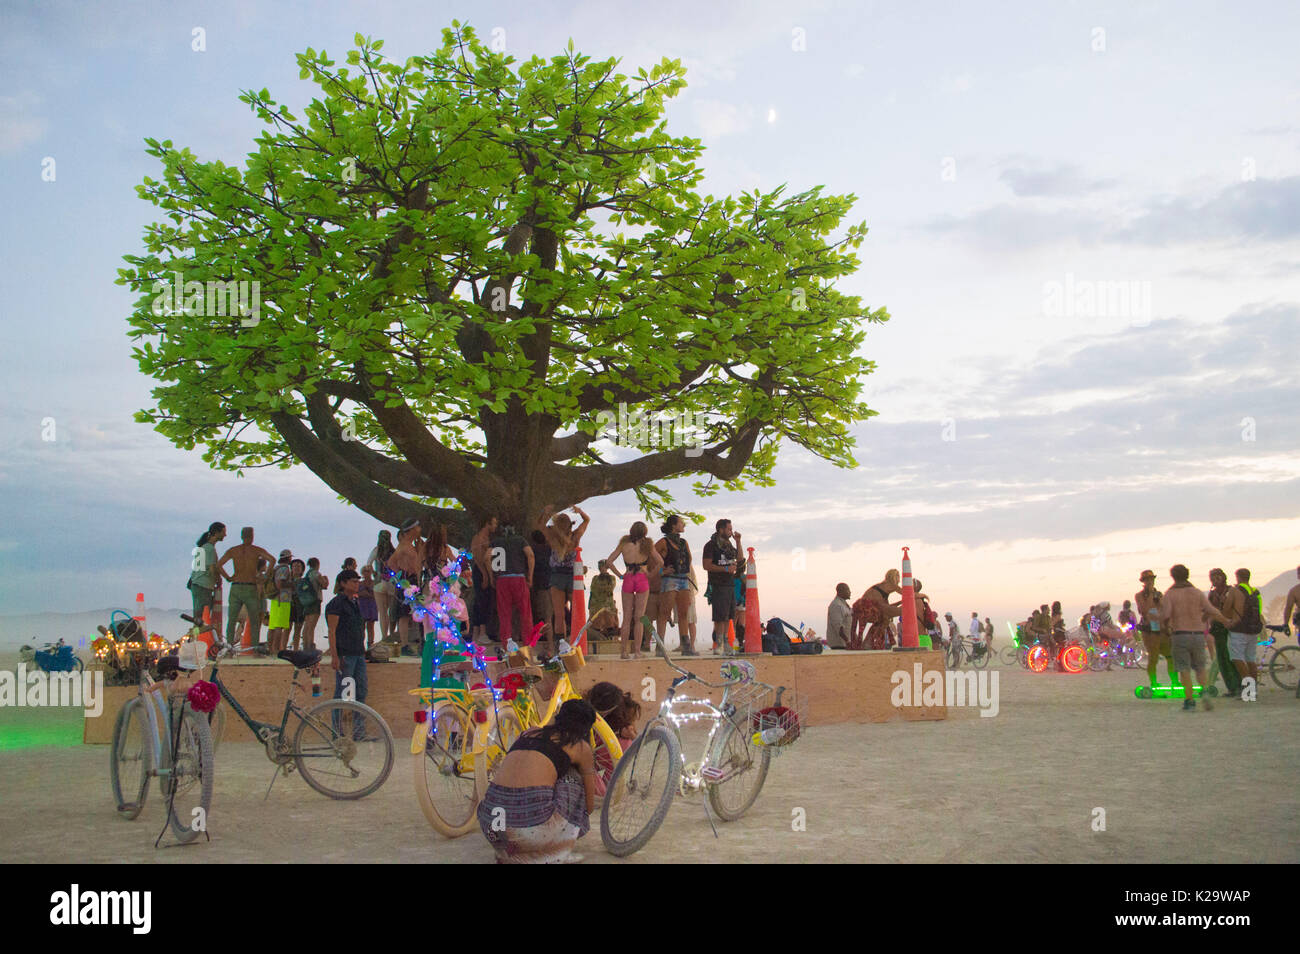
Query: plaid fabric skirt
(535, 825)
(870, 626)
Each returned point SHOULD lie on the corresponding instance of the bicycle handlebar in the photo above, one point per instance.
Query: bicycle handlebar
(690, 675)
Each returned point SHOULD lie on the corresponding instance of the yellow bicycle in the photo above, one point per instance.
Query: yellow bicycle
(462, 734)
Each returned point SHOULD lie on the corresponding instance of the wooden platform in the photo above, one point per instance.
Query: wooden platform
(841, 687)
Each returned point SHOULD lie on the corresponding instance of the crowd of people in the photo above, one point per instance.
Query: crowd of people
(513, 579)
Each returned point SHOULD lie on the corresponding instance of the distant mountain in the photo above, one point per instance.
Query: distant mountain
(1276, 588)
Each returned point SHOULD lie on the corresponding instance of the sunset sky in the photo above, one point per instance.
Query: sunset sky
(1039, 435)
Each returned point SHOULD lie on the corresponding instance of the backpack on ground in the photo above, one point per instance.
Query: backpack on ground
(1252, 621)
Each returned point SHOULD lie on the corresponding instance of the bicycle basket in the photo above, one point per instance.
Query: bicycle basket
(774, 723)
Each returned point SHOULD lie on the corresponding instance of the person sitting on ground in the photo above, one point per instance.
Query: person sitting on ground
(540, 799)
(872, 612)
(619, 710)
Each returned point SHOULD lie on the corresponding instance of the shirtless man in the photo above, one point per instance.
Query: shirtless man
(1290, 622)
(244, 584)
(1158, 642)
(407, 560)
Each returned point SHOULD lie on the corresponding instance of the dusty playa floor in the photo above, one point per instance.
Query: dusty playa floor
(1020, 787)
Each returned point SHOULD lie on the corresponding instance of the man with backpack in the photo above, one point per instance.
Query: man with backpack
(1245, 623)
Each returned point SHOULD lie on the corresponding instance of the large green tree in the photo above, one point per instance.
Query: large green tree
(466, 267)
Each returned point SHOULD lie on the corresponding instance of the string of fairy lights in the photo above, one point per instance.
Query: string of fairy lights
(442, 615)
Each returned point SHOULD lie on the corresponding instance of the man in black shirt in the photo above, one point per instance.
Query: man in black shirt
(720, 561)
(347, 638)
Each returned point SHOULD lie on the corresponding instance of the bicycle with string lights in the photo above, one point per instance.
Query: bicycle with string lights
(463, 732)
(752, 722)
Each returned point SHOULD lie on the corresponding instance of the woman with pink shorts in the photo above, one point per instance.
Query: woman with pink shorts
(638, 555)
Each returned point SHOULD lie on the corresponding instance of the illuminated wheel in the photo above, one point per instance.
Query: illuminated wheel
(1074, 658)
(1037, 659)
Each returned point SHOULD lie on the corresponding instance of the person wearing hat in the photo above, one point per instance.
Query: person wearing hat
(1156, 640)
(405, 565)
(346, 632)
(279, 620)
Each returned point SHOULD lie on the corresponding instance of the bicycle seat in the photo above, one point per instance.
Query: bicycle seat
(301, 659)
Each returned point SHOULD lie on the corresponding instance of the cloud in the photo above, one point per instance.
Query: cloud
(1054, 180)
(717, 118)
(1265, 210)
(19, 124)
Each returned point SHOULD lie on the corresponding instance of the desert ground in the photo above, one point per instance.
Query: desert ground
(1022, 786)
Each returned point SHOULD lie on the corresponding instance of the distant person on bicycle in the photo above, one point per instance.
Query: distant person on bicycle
(540, 799)
(1291, 622)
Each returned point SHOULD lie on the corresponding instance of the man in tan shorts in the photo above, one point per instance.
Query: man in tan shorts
(1183, 613)
(1154, 637)
(244, 584)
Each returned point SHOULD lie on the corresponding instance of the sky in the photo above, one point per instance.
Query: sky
(1084, 221)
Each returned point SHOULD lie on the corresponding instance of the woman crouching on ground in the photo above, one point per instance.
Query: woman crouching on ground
(540, 800)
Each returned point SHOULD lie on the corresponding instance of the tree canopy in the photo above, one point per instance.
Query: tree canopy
(465, 266)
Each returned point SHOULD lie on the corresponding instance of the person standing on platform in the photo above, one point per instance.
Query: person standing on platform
(541, 594)
(480, 612)
(205, 572)
(675, 582)
(279, 621)
(384, 589)
(720, 561)
(345, 630)
(564, 539)
(406, 563)
(244, 589)
(839, 618)
(872, 612)
(366, 602)
(511, 566)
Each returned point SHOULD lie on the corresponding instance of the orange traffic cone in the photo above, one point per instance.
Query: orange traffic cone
(731, 633)
(248, 634)
(753, 625)
(907, 625)
(578, 616)
(139, 610)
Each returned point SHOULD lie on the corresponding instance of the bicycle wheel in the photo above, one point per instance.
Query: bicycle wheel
(640, 792)
(343, 749)
(1284, 667)
(980, 660)
(954, 656)
(189, 786)
(131, 760)
(1096, 661)
(496, 744)
(1010, 656)
(744, 765)
(444, 777)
